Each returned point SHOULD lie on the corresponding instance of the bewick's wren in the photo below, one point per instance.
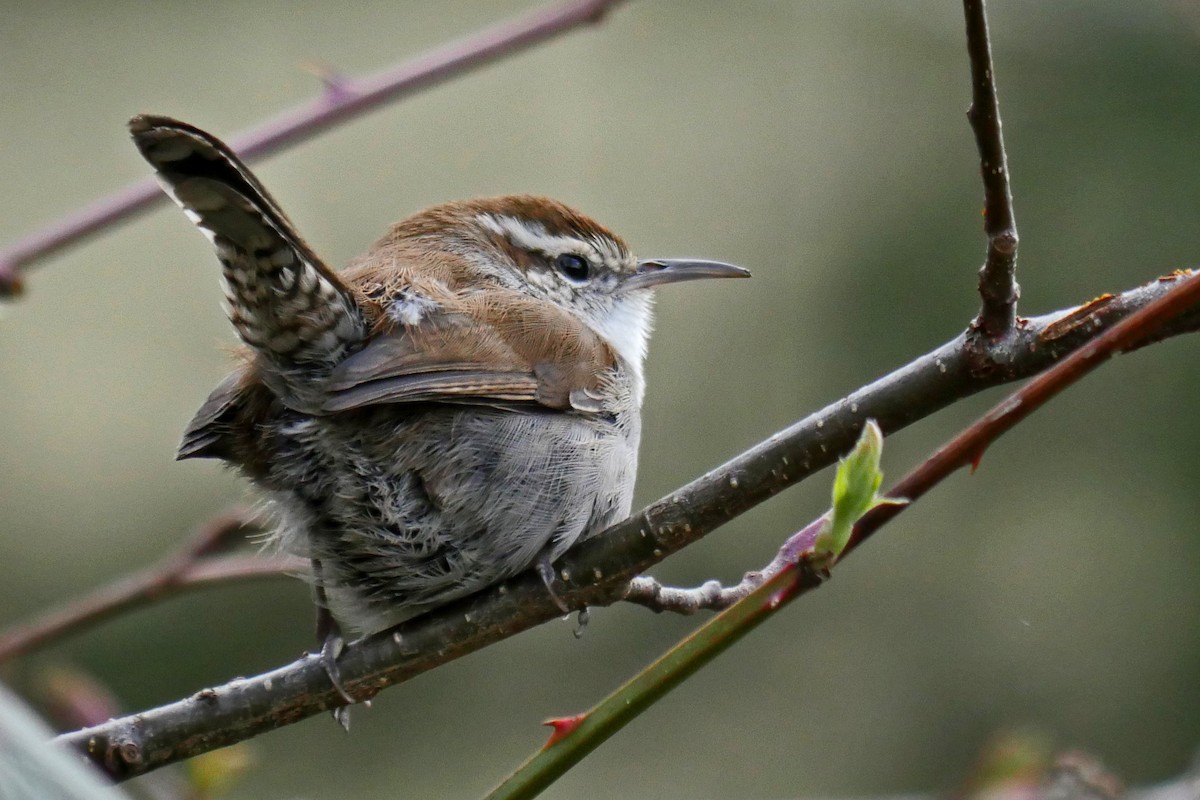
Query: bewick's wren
(462, 402)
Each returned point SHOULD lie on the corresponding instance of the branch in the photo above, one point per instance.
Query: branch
(997, 279)
(711, 595)
(1052, 334)
(1047, 333)
(192, 566)
(343, 100)
(597, 572)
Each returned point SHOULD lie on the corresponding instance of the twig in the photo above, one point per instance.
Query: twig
(799, 573)
(597, 572)
(998, 287)
(922, 387)
(192, 566)
(968, 447)
(1136, 330)
(711, 595)
(342, 100)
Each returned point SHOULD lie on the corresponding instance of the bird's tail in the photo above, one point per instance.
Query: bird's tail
(285, 303)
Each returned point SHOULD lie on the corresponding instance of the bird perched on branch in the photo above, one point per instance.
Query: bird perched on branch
(460, 403)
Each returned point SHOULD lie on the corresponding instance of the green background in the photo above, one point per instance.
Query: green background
(821, 144)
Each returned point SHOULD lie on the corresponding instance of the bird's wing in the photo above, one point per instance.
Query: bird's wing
(490, 348)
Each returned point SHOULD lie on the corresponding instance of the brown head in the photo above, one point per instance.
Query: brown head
(539, 247)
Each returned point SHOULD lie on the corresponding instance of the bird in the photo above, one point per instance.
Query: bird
(460, 403)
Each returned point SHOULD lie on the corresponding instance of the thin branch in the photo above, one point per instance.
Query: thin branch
(997, 279)
(968, 448)
(192, 566)
(708, 596)
(1149, 323)
(342, 100)
(711, 595)
(597, 572)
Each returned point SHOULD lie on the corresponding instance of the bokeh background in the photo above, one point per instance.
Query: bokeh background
(823, 145)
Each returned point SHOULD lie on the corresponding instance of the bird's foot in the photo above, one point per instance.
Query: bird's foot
(546, 572)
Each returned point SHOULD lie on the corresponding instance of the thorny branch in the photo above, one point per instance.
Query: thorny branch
(1134, 331)
(997, 278)
(799, 567)
(343, 100)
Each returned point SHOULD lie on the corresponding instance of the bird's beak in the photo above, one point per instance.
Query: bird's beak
(657, 271)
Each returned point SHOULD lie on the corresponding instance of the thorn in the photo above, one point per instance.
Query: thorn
(976, 458)
(563, 726)
(10, 281)
(337, 85)
(788, 590)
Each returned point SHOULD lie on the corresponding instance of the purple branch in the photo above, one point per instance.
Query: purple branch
(343, 99)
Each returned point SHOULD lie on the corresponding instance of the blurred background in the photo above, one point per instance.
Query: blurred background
(821, 144)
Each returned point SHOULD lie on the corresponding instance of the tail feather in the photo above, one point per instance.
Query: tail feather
(283, 300)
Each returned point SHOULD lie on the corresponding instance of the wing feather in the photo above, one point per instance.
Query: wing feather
(486, 348)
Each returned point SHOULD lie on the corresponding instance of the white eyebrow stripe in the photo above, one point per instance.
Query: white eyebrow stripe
(532, 236)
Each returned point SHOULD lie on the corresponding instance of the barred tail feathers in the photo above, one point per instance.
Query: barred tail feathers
(283, 300)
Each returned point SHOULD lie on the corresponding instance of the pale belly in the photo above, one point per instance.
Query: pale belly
(410, 510)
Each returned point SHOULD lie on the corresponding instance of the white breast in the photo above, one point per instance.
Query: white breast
(626, 327)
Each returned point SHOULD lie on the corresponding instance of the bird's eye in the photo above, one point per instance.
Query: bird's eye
(573, 267)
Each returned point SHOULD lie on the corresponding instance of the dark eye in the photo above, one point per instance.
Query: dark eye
(573, 267)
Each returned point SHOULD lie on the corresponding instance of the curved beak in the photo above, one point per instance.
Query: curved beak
(657, 271)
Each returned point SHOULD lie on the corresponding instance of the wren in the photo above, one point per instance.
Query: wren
(460, 403)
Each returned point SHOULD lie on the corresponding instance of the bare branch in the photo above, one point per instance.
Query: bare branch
(711, 595)
(343, 100)
(598, 571)
(708, 596)
(192, 566)
(997, 279)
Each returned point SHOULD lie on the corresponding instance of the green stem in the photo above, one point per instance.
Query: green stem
(575, 738)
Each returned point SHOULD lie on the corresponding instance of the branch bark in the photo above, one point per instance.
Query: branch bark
(598, 571)
(997, 278)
